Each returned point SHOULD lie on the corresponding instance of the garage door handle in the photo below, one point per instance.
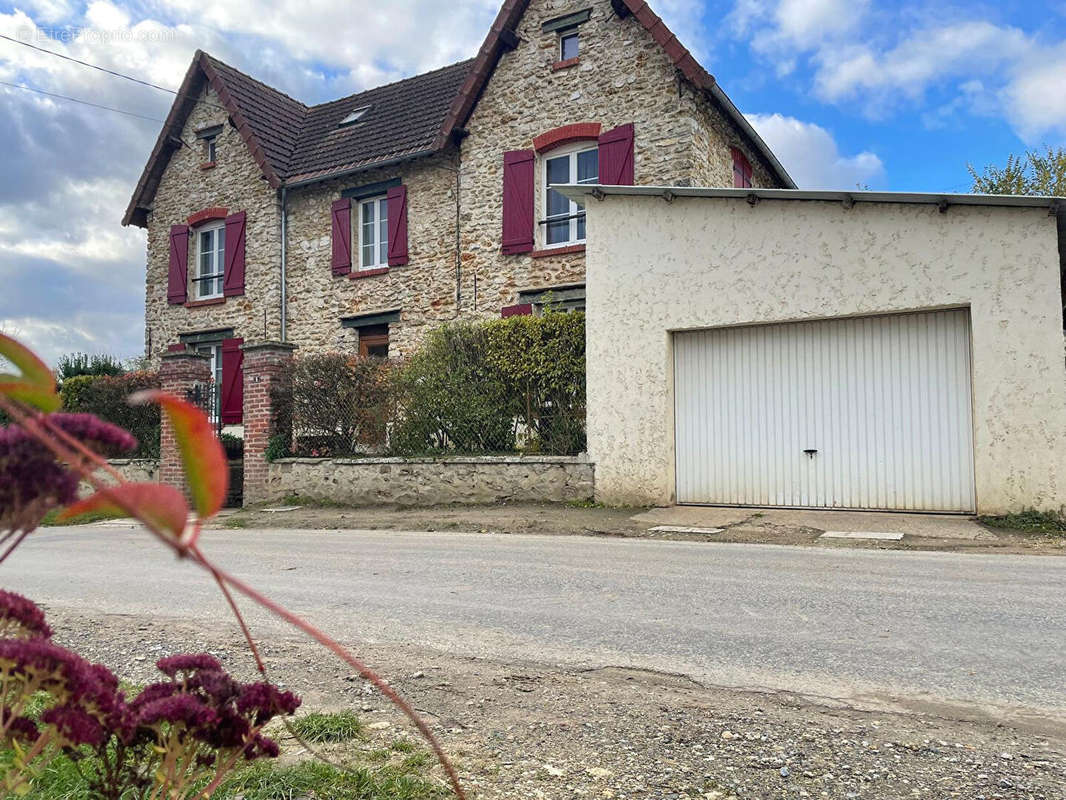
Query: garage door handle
(811, 453)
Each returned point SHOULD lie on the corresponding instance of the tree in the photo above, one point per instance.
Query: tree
(76, 364)
(1034, 173)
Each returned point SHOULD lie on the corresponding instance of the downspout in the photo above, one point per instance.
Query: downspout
(284, 287)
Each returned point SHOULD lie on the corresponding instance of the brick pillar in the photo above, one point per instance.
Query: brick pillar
(178, 372)
(264, 363)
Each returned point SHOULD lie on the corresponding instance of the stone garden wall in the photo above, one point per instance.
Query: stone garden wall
(424, 482)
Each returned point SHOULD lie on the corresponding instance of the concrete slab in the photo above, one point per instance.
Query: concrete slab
(931, 526)
(874, 535)
(683, 529)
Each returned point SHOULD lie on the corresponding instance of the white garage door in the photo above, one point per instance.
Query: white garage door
(870, 412)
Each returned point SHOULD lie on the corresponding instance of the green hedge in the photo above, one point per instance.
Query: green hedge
(503, 386)
(496, 387)
(105, 396)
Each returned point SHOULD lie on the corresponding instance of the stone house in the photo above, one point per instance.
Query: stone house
(362, 223)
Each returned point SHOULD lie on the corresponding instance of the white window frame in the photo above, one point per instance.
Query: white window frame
(563, 36)
(218, 262)
(381, 208)
(572, 152)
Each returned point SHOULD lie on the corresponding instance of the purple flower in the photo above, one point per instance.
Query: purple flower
(180, 709)
(187, 662)
(20, 617)
(229, 732)
(74, 725)
(21, 728)
(32, 481)
(153, 692)
(218, 686)
(261, 747)
(266, 701)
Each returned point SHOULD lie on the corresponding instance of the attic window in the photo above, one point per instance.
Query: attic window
(353, 117)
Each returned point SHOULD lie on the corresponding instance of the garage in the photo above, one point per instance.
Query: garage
(867, 412)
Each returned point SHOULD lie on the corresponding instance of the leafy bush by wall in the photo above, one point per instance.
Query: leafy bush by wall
(540, 360)
(105, 396)
(502, 386)
(452, 398)
(333, 404)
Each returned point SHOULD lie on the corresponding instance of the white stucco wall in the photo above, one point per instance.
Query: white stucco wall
(657, 267)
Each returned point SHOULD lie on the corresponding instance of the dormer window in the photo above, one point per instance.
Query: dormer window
(569, 45)
(354, 116)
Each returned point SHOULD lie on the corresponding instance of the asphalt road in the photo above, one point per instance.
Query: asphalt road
(986, 630)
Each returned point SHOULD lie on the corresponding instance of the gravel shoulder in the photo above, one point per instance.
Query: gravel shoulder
(748, 526)
(531, 730)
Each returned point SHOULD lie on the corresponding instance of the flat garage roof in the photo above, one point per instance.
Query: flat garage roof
(577, 191)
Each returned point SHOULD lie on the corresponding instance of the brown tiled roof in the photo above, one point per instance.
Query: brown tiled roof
(294, 143)
(403, 118)
(274, 118)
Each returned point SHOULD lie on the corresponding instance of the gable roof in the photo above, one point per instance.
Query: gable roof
(295, 144)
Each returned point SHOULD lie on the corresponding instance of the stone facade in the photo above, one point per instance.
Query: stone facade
(234, 183)
(425, 482)
(456, 268)
(133, 470)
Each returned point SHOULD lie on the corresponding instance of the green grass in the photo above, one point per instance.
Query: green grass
(82, 519)
(270, 780)
(1046, 522)
(317, 727)
(266, 781)
(235, 522)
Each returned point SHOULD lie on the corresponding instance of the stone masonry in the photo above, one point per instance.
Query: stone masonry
(456, 268)
(234, 183)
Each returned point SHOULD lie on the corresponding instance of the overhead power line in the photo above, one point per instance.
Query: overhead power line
(112, 72)
(82, 102)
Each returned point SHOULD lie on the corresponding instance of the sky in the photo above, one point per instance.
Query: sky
(893, 95)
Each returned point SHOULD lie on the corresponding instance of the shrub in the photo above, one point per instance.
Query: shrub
(452, 398)
(541, 362)
(105, 396)
(80, 364)
(233, 445)
(332, 404)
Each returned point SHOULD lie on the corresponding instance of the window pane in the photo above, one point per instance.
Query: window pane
(205, 241)
(581, 227)
(368, 212)
(588, 166)
(569, 47)
(558, 232)
(383, 231)
(220, 247)
(558, 204)
(558, 170)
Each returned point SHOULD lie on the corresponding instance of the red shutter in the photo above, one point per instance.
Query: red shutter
(741, 170)
(520, 310)
(397, 201)
(232, 390)
(342, 236)
(616, 156)
(178, 275)
(233, 276)
(518, 201)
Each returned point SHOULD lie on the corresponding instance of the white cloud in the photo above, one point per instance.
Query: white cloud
(886, 57)
(811, 155)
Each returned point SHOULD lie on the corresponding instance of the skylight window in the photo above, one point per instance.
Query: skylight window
(354, 116)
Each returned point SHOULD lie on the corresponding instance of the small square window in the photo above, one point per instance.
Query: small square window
(569, 45)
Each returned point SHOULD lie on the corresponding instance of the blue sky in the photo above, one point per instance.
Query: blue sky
(891, 95)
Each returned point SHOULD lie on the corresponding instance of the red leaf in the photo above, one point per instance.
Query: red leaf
(35, 385)
(202, 457)
(161, 507)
